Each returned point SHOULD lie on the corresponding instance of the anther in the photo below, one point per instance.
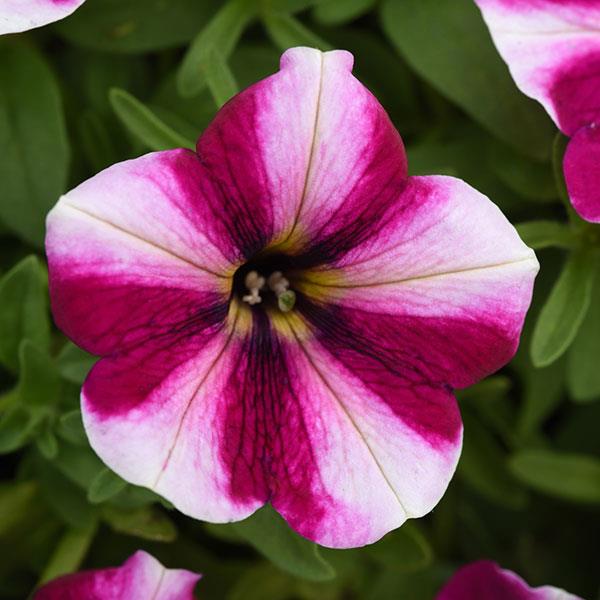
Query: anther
(278, 283)
(254, 282)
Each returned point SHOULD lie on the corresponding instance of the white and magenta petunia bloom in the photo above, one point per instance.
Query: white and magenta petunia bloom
(139, 578)
(21, 15)
(485, 580)
(552, 48)
(283, 314)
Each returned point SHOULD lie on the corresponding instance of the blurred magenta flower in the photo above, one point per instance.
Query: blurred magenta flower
(21, 15)
(283, 314)
(485, 580)
(552, 48)
(140, 578)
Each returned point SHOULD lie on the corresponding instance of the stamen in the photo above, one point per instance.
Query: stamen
(254, 282)
(278, 283)
(286, 298)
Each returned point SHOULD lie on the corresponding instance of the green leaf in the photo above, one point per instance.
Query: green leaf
(192, 114)
(287, 6)
(405, 549)
(488, 401)
(79, 464)
(136, 497)
(483, 467)
(16, 428)
(73, 363)
(421, 585)
(16, 503)
(31, 403)
(447, 43)
(487, 390)
(460, 156)
(136, 25)
(546, 234)
(33, 138)
(286, 32)
(39, 382)
(262, 582)
(23, 310)
(543, 391)
(338, 12)
(70, 428)
(583, 359)
(224, 532)
(529, 178)
(272, 537)
(69, 553)
(96, 140)
(144, 124)
(220, 79)
(251, 62)
(104, 486)
(66, 499)
(219, 38)
(46, 443)
(147, 523)
(569, 476)
(564, 310)
(559, 147)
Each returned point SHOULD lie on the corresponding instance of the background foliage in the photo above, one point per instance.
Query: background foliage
(121, 77)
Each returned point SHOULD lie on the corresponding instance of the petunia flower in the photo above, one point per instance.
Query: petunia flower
(139, 578)
(552, 48)
(283, 314)
(485, 580)
(21, 15)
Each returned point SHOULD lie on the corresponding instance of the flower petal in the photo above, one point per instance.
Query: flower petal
(298, 153)
(445, 278)
(384, 442)
(343, 419)
(141, 577)
(21, 15)
(219, 426)
(334, 456)
(552, 48)
(485, 580)
(134, 252)
(154, 415)
(582, 172)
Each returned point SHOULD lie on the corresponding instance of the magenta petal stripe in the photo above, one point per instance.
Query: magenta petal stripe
(283, 315)
(21, 15)
(326, 451)
(297, 154)
(378, 460)
(582, 172)
(127, 270)
(155, 416)
(141, 577)
(485, 580)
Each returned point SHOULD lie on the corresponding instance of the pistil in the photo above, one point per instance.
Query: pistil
(286, 298)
